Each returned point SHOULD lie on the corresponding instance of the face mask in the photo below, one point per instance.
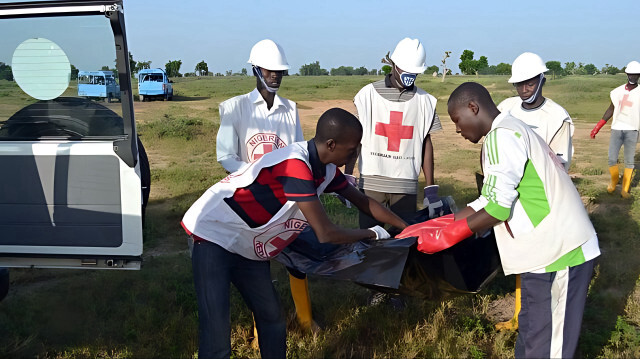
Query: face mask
(407, 79)
(535, 95)
(258, 73)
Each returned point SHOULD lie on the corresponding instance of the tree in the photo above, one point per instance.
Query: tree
(228, 73)
(141, 65)
(555, 67)
(342, 71)
(590, 69)
(431, 69)
(360, 71)
(313, 69)
(243, 72)
(172, 68)
(483, 63)
(503, 69)
(570, 68)
(386, 69)
(469, 66)
(6, 73)
(202, 69)
(610, 69)
(444, 64)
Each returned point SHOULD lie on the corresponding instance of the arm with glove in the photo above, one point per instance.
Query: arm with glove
(443, 232)
(503, 171)
(607, 115)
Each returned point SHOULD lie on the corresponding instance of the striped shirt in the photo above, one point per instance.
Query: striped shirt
(290, 180)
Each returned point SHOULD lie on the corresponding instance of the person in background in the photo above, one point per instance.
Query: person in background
(625, 110)
(254, 124)
(545, 117)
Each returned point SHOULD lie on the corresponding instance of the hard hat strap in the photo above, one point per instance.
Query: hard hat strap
(258, 72)
(536, 94)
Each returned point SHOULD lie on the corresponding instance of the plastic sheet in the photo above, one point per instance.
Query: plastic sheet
(396, 266)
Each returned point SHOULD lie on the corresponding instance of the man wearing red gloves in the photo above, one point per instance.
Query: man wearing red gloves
(542, 230)
(625, 110)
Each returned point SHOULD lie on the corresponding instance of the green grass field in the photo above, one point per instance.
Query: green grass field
(153, 312)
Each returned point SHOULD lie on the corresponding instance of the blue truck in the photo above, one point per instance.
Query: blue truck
(98, 84)
(154, 83)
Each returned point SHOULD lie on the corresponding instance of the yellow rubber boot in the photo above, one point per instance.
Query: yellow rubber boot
(615, 177)
(512, 324)
(626, 182)
(254, 342)
(300, 294)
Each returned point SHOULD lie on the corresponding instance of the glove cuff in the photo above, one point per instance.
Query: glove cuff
(600, 123)
(459, 229)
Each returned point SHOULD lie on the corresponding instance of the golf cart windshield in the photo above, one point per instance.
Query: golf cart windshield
(40, 62)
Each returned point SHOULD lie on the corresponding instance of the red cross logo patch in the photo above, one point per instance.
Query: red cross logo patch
(262, 143)
(394, 131)
(624, 103)
(271, 242)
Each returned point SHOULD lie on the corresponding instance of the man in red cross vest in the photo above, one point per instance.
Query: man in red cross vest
(397, 118)
(625, 110)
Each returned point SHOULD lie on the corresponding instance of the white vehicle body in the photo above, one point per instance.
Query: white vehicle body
(71, 194)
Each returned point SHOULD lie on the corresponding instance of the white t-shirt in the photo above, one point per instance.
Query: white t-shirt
(549, 121)
(626, 108)
(248, 129)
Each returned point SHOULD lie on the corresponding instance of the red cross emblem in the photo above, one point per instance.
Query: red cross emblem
(394, 131)
(624, 102)
(266, 148)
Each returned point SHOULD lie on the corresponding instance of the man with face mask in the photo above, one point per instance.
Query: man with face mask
(398, 118)
(545, 117)
(625, 110)
(254, 124)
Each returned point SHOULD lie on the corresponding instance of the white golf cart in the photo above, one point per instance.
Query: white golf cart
(74, 177)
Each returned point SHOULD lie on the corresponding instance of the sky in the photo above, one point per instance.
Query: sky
(347, 33)
(360, 33)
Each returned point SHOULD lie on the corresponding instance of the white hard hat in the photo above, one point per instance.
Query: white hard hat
(526, 66)
(410, 56)
(633, 67)
(268, 55)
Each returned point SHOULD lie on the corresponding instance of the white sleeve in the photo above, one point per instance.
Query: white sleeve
(299, 134)
(562, 142)
(478, 204)
(227, 141)
(505, 158)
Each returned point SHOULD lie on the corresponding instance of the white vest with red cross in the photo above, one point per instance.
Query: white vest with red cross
(393, 133)
(626, 112)
(212, 219)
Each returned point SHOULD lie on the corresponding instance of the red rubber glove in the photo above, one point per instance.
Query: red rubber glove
(438, 234)
(596, 129)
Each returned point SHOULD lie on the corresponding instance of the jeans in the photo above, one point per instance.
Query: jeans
(404, 205)
(618, 139)
(214, 268)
